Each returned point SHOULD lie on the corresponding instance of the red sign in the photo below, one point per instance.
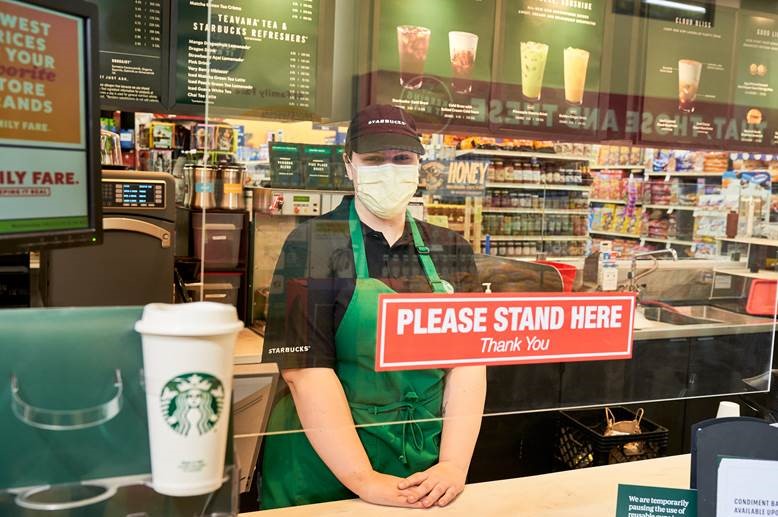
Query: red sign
(417, 331)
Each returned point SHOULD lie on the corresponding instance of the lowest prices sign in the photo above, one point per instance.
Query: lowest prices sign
(417, 331)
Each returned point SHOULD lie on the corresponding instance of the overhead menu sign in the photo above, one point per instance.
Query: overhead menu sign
(263, 55)
(434, 58)
(43, 150)
(443, 331)
(548, 67)
(756, 86)
(133, 53)
(688, 71)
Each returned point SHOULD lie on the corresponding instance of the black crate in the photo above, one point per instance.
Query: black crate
(580, 442)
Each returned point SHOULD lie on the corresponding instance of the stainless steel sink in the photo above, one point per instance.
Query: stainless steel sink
(674, 316)
(714, 313)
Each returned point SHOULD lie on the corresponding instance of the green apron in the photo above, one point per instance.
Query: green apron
(292, 472)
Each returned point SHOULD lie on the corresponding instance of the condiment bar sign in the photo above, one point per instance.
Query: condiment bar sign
(417, 331)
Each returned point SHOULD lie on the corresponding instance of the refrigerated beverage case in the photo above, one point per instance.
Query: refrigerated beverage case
(576, 63)
(462, 48)
(533, 65)
(412, 44)
(689, 72)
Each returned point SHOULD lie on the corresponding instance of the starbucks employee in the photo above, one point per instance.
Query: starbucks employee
(322, 328)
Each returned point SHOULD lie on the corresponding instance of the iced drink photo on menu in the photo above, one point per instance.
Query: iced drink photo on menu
(688, 83)
(576, 63)
(412, 44)
(533, 64)
(462, 47)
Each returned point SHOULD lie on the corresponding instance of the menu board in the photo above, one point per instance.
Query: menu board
(133, 53)
(43, 140)
(756, 109)
(433, 58)
(263, 56)
(548, 67)
(688, 82)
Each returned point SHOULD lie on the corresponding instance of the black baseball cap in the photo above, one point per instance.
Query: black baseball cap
(381, 127)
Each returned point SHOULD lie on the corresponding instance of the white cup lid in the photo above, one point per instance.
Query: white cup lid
(188, 319)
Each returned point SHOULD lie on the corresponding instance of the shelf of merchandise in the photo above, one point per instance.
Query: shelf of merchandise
(538, 186)
(566, 238)
(688, 174)
(570, 258)
(617, 167)
(750, 240)
(701, 212)
(612, 201)
(520, 154)
(615, 234)
(668, 241)
(672, 207)
(541, 211)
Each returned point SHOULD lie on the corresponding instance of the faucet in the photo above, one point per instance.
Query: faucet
(633, 276)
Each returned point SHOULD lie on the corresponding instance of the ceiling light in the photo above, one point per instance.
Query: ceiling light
(677, 5)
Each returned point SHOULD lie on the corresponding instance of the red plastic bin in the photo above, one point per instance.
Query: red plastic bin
(567, 271)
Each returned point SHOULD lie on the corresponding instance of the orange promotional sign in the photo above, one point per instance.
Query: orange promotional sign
(41, 77)
(417, 331)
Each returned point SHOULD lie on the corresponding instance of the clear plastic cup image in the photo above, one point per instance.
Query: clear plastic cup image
(689, 72)
(187, 367)
(413, 42)
(462, 47)
(576, 64)
(533, 65)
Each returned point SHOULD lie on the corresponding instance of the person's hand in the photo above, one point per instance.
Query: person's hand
(439, 484)
(384, 489)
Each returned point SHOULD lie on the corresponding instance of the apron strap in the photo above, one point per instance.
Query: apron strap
(357, 244)
(424, 256)
(360, 258)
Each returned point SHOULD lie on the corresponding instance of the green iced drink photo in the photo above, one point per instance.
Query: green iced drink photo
(533, 64)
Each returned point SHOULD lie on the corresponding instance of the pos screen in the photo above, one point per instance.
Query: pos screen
(49, 162)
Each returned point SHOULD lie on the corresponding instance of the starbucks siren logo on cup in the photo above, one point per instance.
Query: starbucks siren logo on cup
(192, 403)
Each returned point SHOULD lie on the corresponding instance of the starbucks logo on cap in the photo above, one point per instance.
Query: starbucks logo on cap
(192, 401)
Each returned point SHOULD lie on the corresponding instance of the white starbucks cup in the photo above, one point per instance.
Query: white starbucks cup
(187, 363)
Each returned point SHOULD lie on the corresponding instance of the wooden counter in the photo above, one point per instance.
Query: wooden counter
(576, 493)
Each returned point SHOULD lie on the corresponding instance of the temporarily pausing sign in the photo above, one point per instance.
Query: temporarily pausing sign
(417, 331)
(652, 501)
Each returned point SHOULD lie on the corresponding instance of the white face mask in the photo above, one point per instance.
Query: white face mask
(386, 189)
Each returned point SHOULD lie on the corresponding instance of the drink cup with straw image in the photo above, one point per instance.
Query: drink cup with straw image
(413, 42)
(462, 47)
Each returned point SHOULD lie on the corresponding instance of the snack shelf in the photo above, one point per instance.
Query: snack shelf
(603, 166)
(672, 207)
(552, 211)
(520, 154)
(615, 234)
(668, 241)
(503, 238)
(538, 186)
(687, 174)
(612, 201)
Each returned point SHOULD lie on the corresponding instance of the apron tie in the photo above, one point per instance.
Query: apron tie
(412, 434)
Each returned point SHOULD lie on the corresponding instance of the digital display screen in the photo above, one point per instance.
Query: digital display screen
(133, 194)
(301, 199)
(44, 151)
